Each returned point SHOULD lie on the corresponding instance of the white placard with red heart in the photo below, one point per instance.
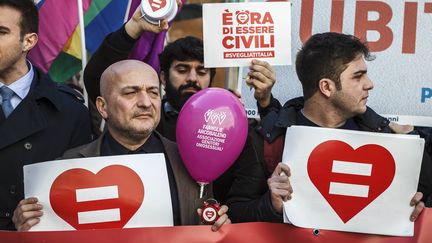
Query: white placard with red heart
(351, 180)
(125, 191)
(236, 33)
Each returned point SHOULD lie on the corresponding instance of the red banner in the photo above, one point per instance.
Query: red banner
(246, 232)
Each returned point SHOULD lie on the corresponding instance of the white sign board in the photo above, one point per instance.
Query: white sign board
(352, 181)
(400, 37)
(236, 33)
(125, 191)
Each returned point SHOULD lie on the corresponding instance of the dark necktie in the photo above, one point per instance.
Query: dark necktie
(7, 95)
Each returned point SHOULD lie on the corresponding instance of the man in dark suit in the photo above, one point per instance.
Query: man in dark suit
(39, 120)
(130, 104)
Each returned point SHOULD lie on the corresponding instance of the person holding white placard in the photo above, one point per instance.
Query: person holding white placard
(130, 104)
(333, 73)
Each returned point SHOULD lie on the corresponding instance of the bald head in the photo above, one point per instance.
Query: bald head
(120, 70)
(130, 102)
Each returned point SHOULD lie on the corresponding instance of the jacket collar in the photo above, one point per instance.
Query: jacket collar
(369, 120)
(43, 88)
(288, 114)
(93, 148)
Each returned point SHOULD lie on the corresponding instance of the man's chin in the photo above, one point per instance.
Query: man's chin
(362, 110)
(140, 133)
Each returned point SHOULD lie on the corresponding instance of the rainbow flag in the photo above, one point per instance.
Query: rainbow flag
(101, 18)
(57, 22)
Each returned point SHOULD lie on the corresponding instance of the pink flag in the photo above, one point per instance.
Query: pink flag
(57, 22)
(150, 45)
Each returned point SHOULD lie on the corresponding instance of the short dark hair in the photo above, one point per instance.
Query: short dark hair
(326, 55)
(183, 49)
(29, 14)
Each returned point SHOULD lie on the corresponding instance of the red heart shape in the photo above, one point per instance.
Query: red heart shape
(157, 4)
(130, 195)
(210, 214)
(242, 18)
(321, 173)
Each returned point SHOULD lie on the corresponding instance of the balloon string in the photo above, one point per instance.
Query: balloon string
(201, 190)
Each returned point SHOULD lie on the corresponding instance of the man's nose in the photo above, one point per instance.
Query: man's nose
(143, 100)
(192, 76)
(369, 84)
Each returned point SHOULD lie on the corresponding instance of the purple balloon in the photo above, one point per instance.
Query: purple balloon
(211, 132)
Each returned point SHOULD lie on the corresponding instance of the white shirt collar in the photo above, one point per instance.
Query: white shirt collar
(21, 87)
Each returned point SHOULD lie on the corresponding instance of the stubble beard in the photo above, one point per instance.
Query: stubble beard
(130, 132)
(175, 97)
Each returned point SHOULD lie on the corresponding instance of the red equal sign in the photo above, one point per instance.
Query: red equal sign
(96, 194)
(157, 4)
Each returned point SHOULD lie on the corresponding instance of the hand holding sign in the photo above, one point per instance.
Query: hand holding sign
(261, 77)
(418, 206)
(27, 214)
(279, 186)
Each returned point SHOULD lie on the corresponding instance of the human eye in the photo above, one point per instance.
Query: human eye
(153, 93)
(181, 69)
(358, 77)
(202, 71)
(129, 92)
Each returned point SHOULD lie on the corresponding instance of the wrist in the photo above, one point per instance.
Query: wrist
(133, 29)
(264, 103)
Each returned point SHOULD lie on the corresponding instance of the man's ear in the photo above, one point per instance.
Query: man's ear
(162, 79)
(29, 41)
(327, 87)
(102, 107)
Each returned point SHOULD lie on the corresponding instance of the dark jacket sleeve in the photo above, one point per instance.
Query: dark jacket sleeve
(425, 180)
(274, 105)
(114, 48)
(248, 199)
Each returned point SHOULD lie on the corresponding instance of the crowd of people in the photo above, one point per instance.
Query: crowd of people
(41, 120)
